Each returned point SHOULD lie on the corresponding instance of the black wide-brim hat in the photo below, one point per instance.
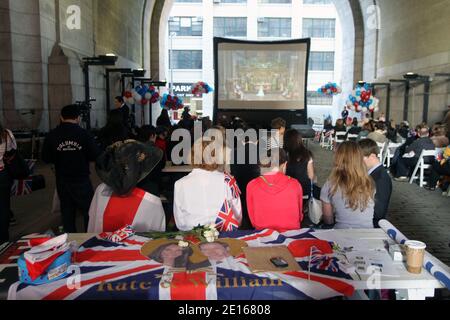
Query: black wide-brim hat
(124, 164)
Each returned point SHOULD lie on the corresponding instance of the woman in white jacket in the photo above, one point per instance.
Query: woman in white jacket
(207, 196)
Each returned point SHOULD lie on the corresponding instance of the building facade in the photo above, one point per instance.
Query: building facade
(193, 24)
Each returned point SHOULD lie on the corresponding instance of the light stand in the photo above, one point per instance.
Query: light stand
(102, 60)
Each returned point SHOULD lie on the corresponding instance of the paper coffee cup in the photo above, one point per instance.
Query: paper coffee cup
(415, 252)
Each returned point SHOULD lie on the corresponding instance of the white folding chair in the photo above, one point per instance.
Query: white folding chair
(390, 152)
(340, 136)
(352, 137)
(382, 147)
(326, 141)
(421, 166)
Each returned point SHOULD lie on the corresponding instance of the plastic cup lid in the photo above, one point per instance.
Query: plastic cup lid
(415, 244)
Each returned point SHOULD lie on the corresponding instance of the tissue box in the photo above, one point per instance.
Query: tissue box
(56, 271)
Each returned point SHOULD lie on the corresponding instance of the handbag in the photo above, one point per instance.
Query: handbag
(14, 163)
(38, 183)
(315, 208)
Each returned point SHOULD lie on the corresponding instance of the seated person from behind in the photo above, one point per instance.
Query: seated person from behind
(300, 160)
(355, 128)
(206, 194)
(439, 137)
(277, 139)
(365, 131)
(406, 164)
(340, 126)
(117, 201)
(383, 182)
(274, 200)
(379, 135)
(151, 183)
(348, 195)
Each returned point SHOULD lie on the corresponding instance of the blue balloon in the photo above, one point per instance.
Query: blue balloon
(358, 93)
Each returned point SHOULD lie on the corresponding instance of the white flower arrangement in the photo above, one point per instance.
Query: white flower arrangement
(183, 244)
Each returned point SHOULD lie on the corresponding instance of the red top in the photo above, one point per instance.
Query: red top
(275, 201)
(162, 144)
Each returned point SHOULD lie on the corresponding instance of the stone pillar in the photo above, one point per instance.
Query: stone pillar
(59, 84)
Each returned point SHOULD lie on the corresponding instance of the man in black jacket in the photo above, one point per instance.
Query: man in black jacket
(382, 180)
(71, 148)
(123, 110)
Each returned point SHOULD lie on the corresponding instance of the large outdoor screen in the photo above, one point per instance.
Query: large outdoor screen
(261, 75)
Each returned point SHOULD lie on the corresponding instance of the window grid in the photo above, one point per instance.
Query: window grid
(321, 61)
(185, 59)
(318, 99)
(319, 28)
(275, 27)
(230, 27)
(316, 1)
(275, 1)
(186, 26)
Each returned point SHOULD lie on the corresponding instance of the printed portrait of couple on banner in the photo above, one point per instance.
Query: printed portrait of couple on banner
(194, 257)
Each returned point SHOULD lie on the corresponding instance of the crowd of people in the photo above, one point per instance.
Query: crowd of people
(245, 195)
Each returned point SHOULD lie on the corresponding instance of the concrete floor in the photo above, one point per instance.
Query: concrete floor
(419, 214)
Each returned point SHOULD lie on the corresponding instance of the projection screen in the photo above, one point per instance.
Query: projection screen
(261, 75)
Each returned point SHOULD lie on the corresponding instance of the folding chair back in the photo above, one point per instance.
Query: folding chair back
(421, 166)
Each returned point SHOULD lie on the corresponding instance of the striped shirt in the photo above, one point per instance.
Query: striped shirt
(11, 145)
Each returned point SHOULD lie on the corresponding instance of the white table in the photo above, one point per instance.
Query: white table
(408, 286)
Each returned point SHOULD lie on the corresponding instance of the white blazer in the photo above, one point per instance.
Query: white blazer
(200, 196)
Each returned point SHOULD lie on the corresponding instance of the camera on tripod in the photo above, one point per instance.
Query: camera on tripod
(85, 107)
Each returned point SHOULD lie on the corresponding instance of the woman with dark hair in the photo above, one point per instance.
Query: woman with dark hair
(164, 119)
(172, 255)
(7, 143)
(355, 129)
(113, 132)
(300, 160)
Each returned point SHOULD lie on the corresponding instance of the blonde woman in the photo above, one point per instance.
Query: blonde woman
(348, 195)
(207, 195)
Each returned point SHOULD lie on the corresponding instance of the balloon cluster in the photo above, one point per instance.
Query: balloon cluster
(362, 99)
(142, 95)
(200, 88)
(330, 89)
(171, 102)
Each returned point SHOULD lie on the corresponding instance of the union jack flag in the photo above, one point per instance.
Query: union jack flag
(22, 187)
(232, 183)
(323, 262)
(100, 267)
(225, 220)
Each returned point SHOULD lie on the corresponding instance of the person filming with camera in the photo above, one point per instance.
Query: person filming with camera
(71, 148)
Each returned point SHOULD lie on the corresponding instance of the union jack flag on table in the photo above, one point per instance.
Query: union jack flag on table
(225, 220)
(107, 270)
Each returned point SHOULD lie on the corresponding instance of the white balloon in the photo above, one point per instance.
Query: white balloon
(148, 95)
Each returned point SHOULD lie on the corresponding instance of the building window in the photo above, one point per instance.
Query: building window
(275, 1)
(185, 59)
(316, 1)
(195, 1)
(318, 99)
(230, 27)
(233, 1)
(274, 27)
(186, 26)
(321, 61)
(319, 28)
